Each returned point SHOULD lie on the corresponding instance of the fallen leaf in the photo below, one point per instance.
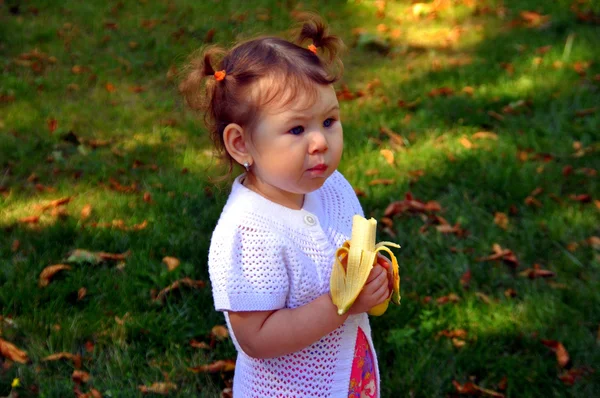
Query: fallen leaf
(11, 352)
(388, 155)
(484, 297)
(65, 355)
(531, 201)
(158, 388)
(510, 293)
(470, 388)
(484, 135)
(199, 344)
(382, 181)
(537, 272)
(49, 272)
(501, 220)
(176, 285)
(441, 91)
(171, 262)
(464, 141)
(593, 241)
(570, 376)
(456, 333)
(15, 245)
(496, 115)
(458, 343)
(110, 87)
(562, 356)
(52, 125)
(86, 211)
(371, 172)
(587, 112)
(30, 220)
(465, 279)
(505, 255)
(226, 365)
(220, 332)
(450, 298)
(533, 19)
(582, 198)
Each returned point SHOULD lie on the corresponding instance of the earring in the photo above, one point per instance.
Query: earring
(247, 166)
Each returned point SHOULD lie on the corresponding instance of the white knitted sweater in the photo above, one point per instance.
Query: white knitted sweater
(264, 256)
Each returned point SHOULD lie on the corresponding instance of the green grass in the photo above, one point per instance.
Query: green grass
(152, 37)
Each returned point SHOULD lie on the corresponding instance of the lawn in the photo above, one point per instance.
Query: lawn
(472, 135)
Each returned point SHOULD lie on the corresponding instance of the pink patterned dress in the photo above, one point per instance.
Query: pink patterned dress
(363, 383)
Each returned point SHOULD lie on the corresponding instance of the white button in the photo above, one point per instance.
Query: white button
(309, 220)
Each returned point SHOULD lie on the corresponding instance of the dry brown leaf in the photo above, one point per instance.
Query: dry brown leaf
(501, 220)
(30, 220)
(382, 181)
(470, 388)
(110, 87)
(388, 155)
(86, 211)
(79, 376)
(52, 125)
(158, 388)
(220, 332)
(570, 376)
(456, 333)
(562, 356)
(481, 135)
(15, 245)
(531, 201)
(510, 293)
(465, 279)
(175, 285)
(537, 272)
(65, 355)
(505, 255)
(441, 91)
(450, 298)
(226, 365)
(485, 298)
(582, 198)
(458, 343)
(371, 172)
(81, 293)
(48, 273)
(199, 344)
(11, 352)
(593, 241)
(171, 262)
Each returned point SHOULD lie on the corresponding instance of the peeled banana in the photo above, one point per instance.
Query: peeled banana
(361, 252)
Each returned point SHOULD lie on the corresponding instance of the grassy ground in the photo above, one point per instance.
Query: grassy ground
(89, 111)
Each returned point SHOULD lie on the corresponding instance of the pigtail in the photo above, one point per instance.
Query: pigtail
(197, 91)
(315, 31)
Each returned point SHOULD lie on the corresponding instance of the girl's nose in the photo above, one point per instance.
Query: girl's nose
(318, 142)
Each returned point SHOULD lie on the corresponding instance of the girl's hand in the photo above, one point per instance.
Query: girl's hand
(375, 291)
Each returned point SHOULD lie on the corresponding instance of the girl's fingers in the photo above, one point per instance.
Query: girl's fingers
(375, 273)
(383, 292)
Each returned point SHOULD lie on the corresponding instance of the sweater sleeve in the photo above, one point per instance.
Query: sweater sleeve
(247, 269)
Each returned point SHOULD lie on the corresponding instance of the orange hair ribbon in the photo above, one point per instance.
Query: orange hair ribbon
(220, 75)
(313, 48)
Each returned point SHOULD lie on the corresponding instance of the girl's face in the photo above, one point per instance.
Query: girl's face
(294, 150)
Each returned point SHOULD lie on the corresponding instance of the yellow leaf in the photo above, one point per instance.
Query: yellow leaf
(159, 388)
(388, 155)
(171, 262)
(464, 141)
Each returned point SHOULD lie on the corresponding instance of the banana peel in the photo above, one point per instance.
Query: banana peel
(361, 254)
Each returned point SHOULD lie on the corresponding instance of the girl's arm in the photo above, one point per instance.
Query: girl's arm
(268, 334)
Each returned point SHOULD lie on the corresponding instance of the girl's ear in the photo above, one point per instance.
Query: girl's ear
(236, 143)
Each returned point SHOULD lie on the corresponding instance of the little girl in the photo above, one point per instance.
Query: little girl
(270, 106)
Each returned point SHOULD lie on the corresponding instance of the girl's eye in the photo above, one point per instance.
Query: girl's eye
(297, 130)
(328, 122)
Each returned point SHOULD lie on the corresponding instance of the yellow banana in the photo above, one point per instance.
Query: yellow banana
(361, 251)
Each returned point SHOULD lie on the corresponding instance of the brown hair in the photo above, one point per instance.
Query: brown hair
(233, 100)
